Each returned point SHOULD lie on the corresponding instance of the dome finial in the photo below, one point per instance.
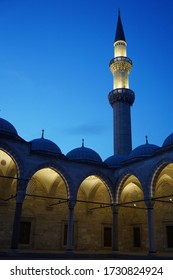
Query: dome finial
(42, 136)
(82, 142)
(146, 139)
(119, 11)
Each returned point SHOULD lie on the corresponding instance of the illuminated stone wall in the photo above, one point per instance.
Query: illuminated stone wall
(93, 187)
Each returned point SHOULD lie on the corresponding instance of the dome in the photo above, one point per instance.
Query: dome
(115, 160)
(84, 154)
(6, 126)
(168, 140)
(44, 145)
(143, 150)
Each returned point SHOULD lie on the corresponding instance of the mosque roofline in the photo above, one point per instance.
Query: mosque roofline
(47, 153)
(10, 136)
(158, 152)
(85, 161)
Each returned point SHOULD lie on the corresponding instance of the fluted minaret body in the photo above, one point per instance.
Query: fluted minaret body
(121, 97)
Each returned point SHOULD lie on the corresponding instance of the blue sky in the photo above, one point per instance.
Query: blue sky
(54, 69)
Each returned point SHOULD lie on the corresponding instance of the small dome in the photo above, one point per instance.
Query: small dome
(115, 160)
(6, 126)
(168, 140)
(44, 145)
(84, 154)
(143, 150)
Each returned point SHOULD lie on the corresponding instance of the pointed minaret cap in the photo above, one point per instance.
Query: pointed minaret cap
(119, 36)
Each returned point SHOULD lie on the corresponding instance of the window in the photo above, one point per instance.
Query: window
(25, 232)
(136, 237)
(107, 237)
(169, 234)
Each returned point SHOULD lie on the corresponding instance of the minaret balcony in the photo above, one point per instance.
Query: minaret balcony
(124, 95)
(120, 63)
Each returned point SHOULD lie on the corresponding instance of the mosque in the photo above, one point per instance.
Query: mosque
(77, 202)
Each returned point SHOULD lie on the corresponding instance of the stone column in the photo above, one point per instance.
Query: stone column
(70, 226)
(152, 248)
(115, 229)
(17, 216)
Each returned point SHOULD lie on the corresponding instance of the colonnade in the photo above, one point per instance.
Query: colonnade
(71, 205)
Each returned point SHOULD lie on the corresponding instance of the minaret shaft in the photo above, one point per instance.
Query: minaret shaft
(121, 97)
(122, 128)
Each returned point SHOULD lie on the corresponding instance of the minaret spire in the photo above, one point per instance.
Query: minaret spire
(119, 35)
(121, 97)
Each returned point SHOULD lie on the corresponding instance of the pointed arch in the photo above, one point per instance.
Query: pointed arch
(105, 179)
(154, 174)
(93, 210)
(19, 162)
(58, 169)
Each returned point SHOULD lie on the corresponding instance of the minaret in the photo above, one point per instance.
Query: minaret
(121, 97)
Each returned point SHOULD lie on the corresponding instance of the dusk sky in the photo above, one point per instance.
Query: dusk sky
(54, 69)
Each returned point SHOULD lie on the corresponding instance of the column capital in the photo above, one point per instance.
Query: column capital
(115, 208)
(150, 203)
(21, 191)
(20, 196)
(71, 204)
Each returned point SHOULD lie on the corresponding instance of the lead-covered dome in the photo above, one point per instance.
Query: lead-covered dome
(115, 160)
(7, 127)
(84, 154)
(143, 150)
(44, 145)
(168, 140)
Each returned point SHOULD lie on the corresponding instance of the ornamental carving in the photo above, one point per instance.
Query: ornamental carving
(120, 63)
(120, 66)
